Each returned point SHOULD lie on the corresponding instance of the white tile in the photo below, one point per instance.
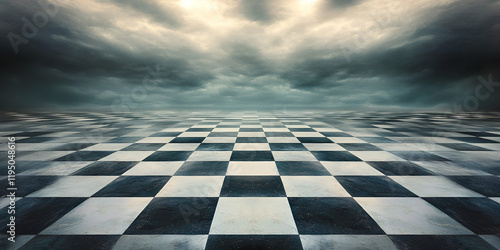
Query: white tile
(313, 186)
(251, 134)
(328, 130)
(107, 147)
(323, 147)
(127, 156)
(350, 168)
(99, 216)
(410, 216)
(346, 140)
(491, 146)
(220, 140)
(226, 130)
(155, 168)
(434, 186)
(497, 199)
(307, 134)
(179, 147)
(376, 156)
(251, 146)
(156, 140)
(134, 242)
(36, 146)
(282, 140)
(347, 242)
(210, 156)
(448, 168)
(276, 130)
(192, 186)
(252, 168)
(41, 155)
(74, 186)
(57, 168)
(253, 215)
(194, 134)
(174, 129)
(293, 156)
(493, 240)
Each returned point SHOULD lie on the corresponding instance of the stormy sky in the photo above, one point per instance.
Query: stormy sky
(121, 55)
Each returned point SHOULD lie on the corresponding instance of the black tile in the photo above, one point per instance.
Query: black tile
(133, 186)
(85, 156)
(376, 139)
(22, 166)
(207, 123)
(215, 147)
(372, 186)
(439, 242)
(187, 140)
(314, 140)
(203, 168)
(492, 167)
(331, 216)
(35, 214)
(359, 147)
(29, 134)
(143, 147)
(257, 242)
(252, 156)
(334, 156)
(73, 146)
(228, 126)
(223, 134)
(480, 215)
(169, 156)
(251, 130)
(301, 130)
(125, 139)
(27, 184)
(473, 140)
(76, 242)
(481, 134)
(36, 139)
(308, 168)
(287, 147)
(251, 140)
(463, 147)
(485, 185)
(175, 216)
(335, 134)
(166, 134)
(279, 134)
(106, 168)
(399, 168)
(252, 186)
(199, 130)
(390, 134)
(277, 125)
(418, 156)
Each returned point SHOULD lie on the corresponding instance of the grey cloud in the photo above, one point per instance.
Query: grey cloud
(79, 60)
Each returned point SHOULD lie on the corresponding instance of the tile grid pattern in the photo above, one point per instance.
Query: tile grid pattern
(298, 180)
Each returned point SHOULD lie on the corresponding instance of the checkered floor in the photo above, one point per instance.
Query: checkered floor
(254, 180)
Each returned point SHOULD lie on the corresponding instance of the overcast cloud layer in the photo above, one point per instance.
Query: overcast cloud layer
(121, 55)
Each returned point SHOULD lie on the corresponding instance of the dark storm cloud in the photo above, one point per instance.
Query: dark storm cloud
(245, 54)
(257, 10)
(154, 11)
